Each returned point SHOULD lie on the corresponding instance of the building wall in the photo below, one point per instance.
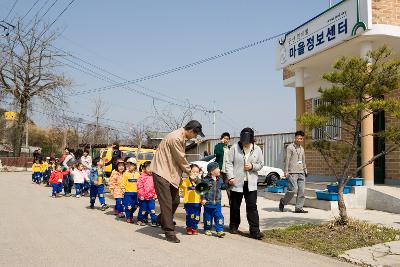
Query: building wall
(386, 12)
(392, 161)
(272, 145)
(383, 12)
(316, 164)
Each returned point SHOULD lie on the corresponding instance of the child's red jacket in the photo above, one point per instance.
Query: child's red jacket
(56, 177)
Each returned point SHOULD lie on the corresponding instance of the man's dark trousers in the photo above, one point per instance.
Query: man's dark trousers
(168, 198)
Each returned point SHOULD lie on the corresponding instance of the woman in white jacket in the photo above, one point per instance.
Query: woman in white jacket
(245, 159)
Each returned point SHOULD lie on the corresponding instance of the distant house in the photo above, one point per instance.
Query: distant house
(154, 138)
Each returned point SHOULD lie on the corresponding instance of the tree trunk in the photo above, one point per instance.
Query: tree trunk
(342, 205)
(20, 128)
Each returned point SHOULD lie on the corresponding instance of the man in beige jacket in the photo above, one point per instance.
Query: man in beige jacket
(168, 164)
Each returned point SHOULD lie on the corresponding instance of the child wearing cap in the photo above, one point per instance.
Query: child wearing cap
(192, 200)
(115, 185)
(212, 201)
(129, 187)
(147, 196)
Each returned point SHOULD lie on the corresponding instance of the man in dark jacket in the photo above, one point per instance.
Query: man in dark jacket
(116, 154)
(221, 151)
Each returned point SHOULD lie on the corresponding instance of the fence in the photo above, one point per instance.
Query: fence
(272, 145)
(16, 161)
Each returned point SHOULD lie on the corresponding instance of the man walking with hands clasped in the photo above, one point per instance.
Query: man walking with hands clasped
(167, 167)
(296, 172)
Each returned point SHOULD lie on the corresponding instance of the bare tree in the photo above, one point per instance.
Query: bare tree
(99, 110)
(29, 71)
(170, 119)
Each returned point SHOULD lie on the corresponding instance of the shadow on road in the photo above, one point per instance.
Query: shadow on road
(152, 232)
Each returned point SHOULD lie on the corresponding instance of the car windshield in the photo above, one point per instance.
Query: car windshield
(208, 158)
(128, 154)
(146, 156)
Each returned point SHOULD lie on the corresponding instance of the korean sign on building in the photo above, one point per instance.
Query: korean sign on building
(338, 24)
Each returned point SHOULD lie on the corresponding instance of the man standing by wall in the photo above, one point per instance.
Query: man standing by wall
(167, 166)
(221, 151)
(296, 171)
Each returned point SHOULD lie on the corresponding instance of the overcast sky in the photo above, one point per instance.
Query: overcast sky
(133, 39)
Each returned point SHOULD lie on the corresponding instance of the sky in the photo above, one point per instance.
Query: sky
(132, 39)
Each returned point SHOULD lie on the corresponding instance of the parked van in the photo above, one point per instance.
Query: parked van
(127, 152)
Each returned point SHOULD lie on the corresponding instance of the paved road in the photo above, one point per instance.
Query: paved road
(36, 230)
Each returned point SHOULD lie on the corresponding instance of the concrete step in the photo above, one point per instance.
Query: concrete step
(317, 185)
(353, 201)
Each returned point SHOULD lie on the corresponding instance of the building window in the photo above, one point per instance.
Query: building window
(332, 131)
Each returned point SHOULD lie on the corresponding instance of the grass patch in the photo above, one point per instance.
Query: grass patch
(332, 239)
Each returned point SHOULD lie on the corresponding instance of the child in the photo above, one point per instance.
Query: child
(147, 196)
(129, 187)
(45, 171)
(56, 179)
(80, 176)
(97, 180)
(212, 201)
(87, 165)
(37, 171)
(192, 200)
(116, 189)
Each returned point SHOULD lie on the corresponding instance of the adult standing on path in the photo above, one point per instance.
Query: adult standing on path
(116, 154)
(68, 181)
(296, 171)
(168, 164)
(37, 154)
(245, 159)
(221, 151)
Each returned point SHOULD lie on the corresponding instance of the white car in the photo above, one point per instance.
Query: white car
(202, 163)
(267, 175)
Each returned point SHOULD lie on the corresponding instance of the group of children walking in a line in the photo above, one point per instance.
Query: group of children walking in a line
(133, 189)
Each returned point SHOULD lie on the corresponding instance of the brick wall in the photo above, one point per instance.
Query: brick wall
(287, 73)
(316, 164)
(17, 161)
(386, 12)
(392, 160)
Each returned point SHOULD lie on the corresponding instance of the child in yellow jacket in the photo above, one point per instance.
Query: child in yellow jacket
(45, 171)
(37, 171)
(192, 200)
(129, 187)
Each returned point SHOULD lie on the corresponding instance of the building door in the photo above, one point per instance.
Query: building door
(379, 146)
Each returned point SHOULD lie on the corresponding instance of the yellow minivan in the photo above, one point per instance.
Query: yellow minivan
(127, 152)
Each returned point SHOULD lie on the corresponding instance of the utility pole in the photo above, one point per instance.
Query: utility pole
(214, 119)
(330, 3)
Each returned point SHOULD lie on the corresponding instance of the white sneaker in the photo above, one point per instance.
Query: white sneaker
(78, 196)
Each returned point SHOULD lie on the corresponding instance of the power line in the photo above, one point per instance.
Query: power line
(38, 12)
(183, 67)
(73, 119)
(112, 81)
(12, 8)
(62, 12)
(48, 9)
(115, 75)
(34, 4)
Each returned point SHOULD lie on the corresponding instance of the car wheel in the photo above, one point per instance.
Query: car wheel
(272, 178)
